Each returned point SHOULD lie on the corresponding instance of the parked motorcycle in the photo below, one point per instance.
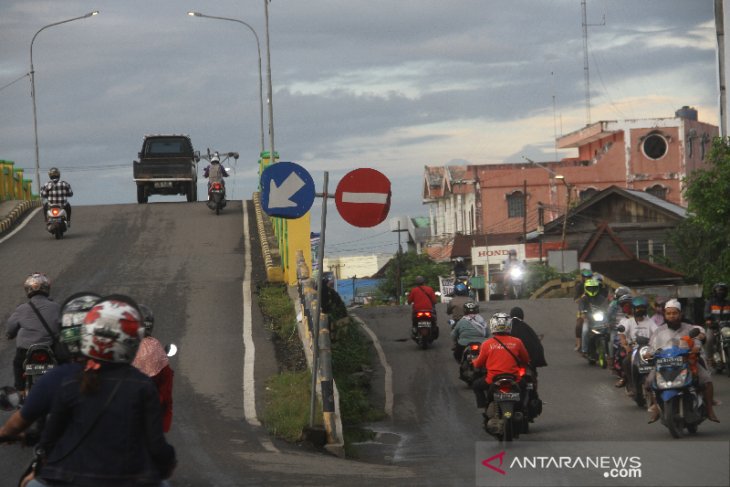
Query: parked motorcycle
(720, 333)
(425, 328)
(681, 404)
(504, 416)
(467, 373)
(598, 337)
(56, 221)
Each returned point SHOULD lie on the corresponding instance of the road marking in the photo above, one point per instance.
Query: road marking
(20, 227)
(249, 350)
(376, 198)
(385, 364)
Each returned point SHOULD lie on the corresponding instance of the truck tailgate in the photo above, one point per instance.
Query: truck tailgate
(164, 169)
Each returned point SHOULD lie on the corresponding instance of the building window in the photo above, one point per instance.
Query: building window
(657, 190)
(654, 146)
(516, 205)
(587, 193)
(650, 249)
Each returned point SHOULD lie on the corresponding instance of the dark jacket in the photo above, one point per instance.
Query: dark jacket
(124, 447)
(532, 342)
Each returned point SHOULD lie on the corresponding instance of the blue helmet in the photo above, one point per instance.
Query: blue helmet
(460, 289)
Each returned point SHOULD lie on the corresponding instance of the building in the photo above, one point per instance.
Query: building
(649, 155)
(347, 267)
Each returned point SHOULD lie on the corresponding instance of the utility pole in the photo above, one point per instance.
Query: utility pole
(720, 34)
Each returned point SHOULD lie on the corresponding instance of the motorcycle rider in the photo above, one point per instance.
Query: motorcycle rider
(658, 316)
(151, 359)
(460, 269)
(455, 307)
(636, 325)
(500, 354)
(615, 314)
(26, 326)
(591, 297)
(585, 274)
(532, 342)
(421, 297)
(214, 172)
(470, 328)
(717, 309)
(507, 266)
(56, 192)
(666, 336)
(97, 415)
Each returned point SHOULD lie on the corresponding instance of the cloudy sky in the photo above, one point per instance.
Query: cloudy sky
(392, 85)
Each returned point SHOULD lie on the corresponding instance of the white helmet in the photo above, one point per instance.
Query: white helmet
(215, 159)
(112, 331)
(500, 323)
(37, 283)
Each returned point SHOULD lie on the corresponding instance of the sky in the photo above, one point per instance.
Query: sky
(393, 86)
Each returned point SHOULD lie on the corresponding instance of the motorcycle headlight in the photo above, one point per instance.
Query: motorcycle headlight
(515, 272)
(725, 332)
(643, 351)
(671, 384)
(597, 316)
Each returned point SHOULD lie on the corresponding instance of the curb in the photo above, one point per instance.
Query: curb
(274, 273)
(19, 210)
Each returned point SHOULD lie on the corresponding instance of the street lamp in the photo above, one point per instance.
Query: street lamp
(272, 158)
(258, 50)
(32, 92)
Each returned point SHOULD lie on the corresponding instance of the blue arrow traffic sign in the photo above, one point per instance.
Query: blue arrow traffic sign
(287, 190)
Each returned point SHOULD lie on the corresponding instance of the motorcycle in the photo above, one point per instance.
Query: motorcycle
(56, 221)
(598, 337)
(425, 330)
(640, 368)
(681, 404)
(467, 373)
(514, 282)
(39, 359)
(721, 336)
(503, 415)
(217, 196)
(531, 404)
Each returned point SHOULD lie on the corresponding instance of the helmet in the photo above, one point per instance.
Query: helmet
(640, 305)
(148, 318)
(54, 174)
(73, 313)
(512, 252)
(517, 312)
(621, 291)
(459, 259)
(420, 280)
(591, 287)
(460, 289)
(112, 330)
(625, 299)
(720, 290)
(586, 273)
(500, 323)
(215, 159)
(37, 283)
(471, 308)
(598, 277)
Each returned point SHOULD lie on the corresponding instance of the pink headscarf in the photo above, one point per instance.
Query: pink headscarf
(151, 357)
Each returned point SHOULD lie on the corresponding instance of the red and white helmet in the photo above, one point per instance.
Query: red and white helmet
(37, 283)
(112, 331)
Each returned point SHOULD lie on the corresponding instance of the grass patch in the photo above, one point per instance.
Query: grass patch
(287, 405)
(278, 310)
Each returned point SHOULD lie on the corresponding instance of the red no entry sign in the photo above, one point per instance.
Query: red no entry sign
(363, 197)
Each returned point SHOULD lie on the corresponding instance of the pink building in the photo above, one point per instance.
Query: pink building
(652, 155)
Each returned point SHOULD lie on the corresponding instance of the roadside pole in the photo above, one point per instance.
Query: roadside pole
(318, 307)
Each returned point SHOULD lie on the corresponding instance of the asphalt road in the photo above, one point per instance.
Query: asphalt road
(189, 266)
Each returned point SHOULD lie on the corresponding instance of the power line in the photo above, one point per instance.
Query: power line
(13, 82)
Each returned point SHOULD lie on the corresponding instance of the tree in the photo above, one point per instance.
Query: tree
(703, 239)
(412, 265)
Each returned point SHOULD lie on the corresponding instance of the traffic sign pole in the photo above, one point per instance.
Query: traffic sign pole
(318, 308)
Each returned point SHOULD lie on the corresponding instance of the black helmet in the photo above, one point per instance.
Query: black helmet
(54, 174)
(420, 280)
(471, 308)
(720, 289)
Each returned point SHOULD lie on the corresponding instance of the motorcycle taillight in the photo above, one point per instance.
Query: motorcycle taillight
(505, 388)
(55, 211)
(40, 358)
(474, 347)
(216, 186)
(521, 372)
(423, 314)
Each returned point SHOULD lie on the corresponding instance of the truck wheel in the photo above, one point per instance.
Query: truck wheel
(191, 193)
(141, 196)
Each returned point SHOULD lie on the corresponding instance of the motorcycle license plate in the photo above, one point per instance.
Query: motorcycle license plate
(670, 361)
(424, 324)
(506, 396)
(37, 369)
(165, 184)
(645, 369)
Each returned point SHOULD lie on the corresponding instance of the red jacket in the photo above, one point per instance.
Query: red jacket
(497, 360)
(422, 297)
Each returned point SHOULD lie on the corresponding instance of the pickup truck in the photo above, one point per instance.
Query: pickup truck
(167, 165)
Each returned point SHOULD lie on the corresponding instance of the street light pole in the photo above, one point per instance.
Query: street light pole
(268, 76)
(258, 50)
(32, 93)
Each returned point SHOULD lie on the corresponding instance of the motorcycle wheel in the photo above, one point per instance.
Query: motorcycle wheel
(508, 431)
(423, 343)
(57, 234)
(602, 360)
(727, 363)
(525, 425)
(639, 398)
(692, 429)
(670, 417)
(217, 210)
